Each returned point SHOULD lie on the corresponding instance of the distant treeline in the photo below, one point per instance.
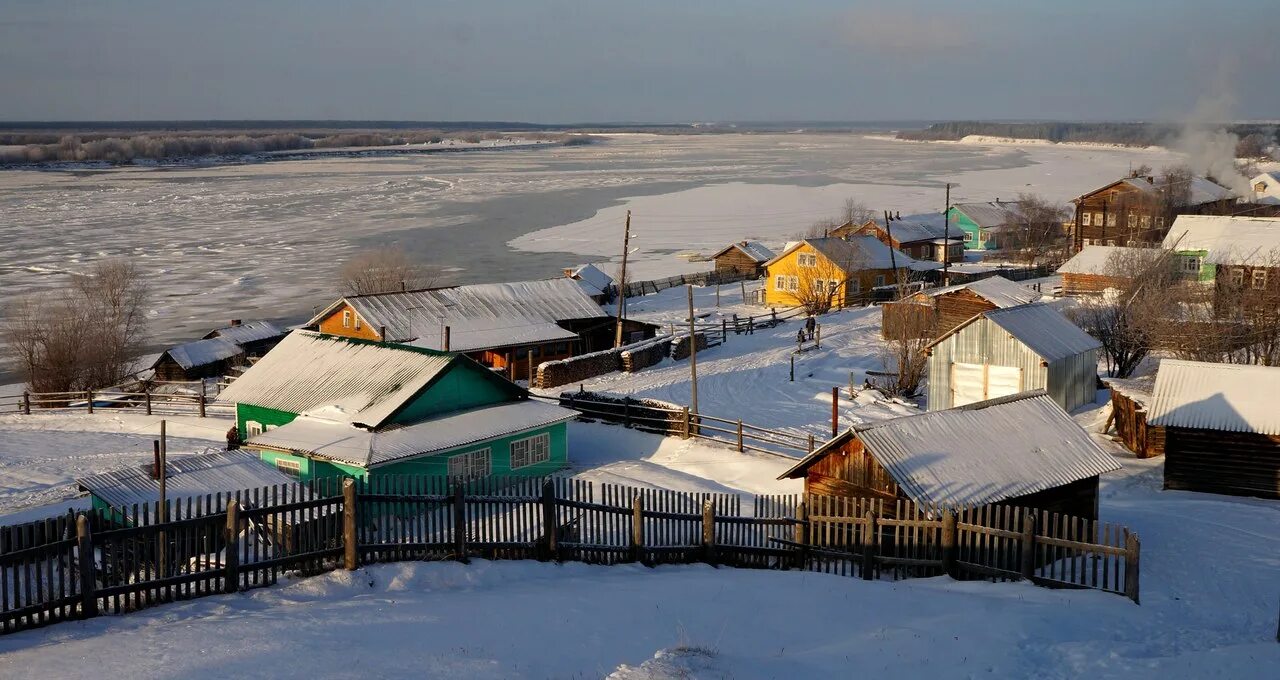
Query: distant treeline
(33, 148)
(1254, 137)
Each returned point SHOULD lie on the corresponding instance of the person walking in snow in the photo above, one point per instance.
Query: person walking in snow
(810, 324)
(233, 438)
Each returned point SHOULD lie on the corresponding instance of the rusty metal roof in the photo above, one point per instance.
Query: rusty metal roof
(1226, 397)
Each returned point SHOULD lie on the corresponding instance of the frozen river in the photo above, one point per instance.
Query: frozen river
(265, 240)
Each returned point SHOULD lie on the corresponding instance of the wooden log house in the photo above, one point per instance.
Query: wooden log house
(1022, 450)
(744, 257)
(1090, 272)
(919, 241)
(1221, 425)
(1138, 210)
(946, 308)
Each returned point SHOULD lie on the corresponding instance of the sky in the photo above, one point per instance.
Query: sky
(555, 61)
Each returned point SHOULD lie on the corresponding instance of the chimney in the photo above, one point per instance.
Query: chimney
(235, 322)
(743, 242)
(1151, 180)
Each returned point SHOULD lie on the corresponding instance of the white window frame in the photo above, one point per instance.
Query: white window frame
(289, 466)
(819, 286)
(1237, 277)
(780, 282)
(1097, 219)
(793, 283)
(1159, 223)
(475, 464)
(1133, 220)
(1111, 219)
(1145, 220)
(808, 259)
(1191, 264)
(357, 321)
(1259, 279)
(346, 318)
(1086, 219)
(855, 286)
(530, 451)
(879, 281)
(252, 428)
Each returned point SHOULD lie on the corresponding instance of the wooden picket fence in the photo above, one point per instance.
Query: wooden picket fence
(118, 560)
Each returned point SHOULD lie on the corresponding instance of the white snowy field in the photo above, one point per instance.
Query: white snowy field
(1209, 606)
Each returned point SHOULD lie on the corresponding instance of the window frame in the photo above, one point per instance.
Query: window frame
(289, 466)
(1086, 219)
(1258, 280)
(252, 428)
(536, 450)
(471, 467)
(780, 282)
(346, 318)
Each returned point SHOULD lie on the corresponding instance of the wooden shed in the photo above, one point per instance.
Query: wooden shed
(1022, 450)
(1090, 271)
(1222, 427)
(948, 307)
(1130, 401)
(256, 338)
(744, 257)
(208, 358)
(1007, 351)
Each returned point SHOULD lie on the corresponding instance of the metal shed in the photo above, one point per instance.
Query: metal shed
(1006, 351)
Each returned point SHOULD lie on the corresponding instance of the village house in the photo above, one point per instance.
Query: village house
(920, 241)
(504, 326)
(1266, 188)
(744, 258)
(221, 352)
(1221, 427)
(981, 223)
(1095, 269)
(598, 285)
(948, 307)
(321, 406)
(256, 338)
(1238, 256)
(1007, 351)
(1137, 211)
(842, 271)
(1021, 450)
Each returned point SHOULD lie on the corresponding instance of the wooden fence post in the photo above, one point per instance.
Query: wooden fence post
(146, 392)
(231, 560)
(88, 587)
(835, 412)
(637, 529)
(739, 435)
(549, 523)
(202, 406)
(88, 399)
(810, 442)
(709, 532)
(869, 531)
(793, 367)
(817, 337)
(1028, 544)
(802, 535)
(724, 331)
(350, 544)
(26, 402)
(626, 411)
(460, 523)
(949, 543)
(684, 422)
(1131, 547)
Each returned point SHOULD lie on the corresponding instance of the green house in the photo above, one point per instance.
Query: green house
(981, 222)
(320, 405)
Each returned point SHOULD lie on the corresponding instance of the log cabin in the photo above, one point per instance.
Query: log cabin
(1137, 211)
(504, 326)
(1021, 450)
(210, 358)
(1093, 270)
(1221, 427)
(1238, 256)
(744, 258)
(919, 241)
(594, 282)
(256, 338)
(1008, 351)
(948, 307)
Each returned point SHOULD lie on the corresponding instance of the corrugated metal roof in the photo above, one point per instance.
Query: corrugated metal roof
(202, 352)
(1044, 330)
(988, 215)
(248, 332)
(753, 249)
(345, 443)
(1227, 397)
(364, 381)
(1201, 189)
(1096, 259)
(479, 317)
(592, 276)
(997, 290)
(985, 452)
(854, 253)
(185, 477)
(1253, 241)
(912, 232)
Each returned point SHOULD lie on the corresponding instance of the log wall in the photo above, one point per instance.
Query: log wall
(1232, 463)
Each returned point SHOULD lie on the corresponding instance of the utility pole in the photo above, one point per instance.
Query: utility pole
(893, 257)
(693, 355)
(622, 284)
(946, 239)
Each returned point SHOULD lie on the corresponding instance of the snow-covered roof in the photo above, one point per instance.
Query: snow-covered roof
(593, 277)
(482, 316)
(1043, 329)
(755, 250)
(997, 290)
(1229, 240)
(987, 215)
(1139, 389)
(202, 352)
(345, 443)
(185, 477)
(1201, 190)
(363, 381)
(855, 253)
(1095, 260)
(981, 453)
(911, 233)
(1266, 188)
(247, 332)
(1227, 397)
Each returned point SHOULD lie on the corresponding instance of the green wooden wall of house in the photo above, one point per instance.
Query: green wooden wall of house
(462, 386)
(264, 417)
(972, 232)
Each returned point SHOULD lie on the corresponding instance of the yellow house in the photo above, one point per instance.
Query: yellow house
(826, 273)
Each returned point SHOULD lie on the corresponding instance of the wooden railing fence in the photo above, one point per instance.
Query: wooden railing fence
(146, 400)
(118, 560)
(711, 278)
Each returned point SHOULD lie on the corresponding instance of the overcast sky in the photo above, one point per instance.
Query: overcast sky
(645, 60)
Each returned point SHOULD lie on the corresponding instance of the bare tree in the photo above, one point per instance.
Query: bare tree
(84, 336)
(1236, 319)
(386, 270)
(852, 212)
(1127, 320)
(856, 212)
(903, 357)
(1253, 146)
(823, 280)
(1034, 231)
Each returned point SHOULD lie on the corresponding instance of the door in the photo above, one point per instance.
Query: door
(1003, 381)
(967, 384)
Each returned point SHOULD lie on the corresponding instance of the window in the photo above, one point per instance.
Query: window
(779, 282)
(1191, 264)
(1111, 242)
(793, 283)
(1259, 279)
(833, 286)
(1133, 221)
(471, 465)
(530, 451)
(346, 318)
(1146, 221)
(1097, 219)
(290, 467)
(855, 286)
(879, 279)
(820, 286)
(1111, 219)
(1159, 223)
(808, 260)
(357, 322)
(1087, 219)
(1237, 277)
(968, 237)
(252, 428)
